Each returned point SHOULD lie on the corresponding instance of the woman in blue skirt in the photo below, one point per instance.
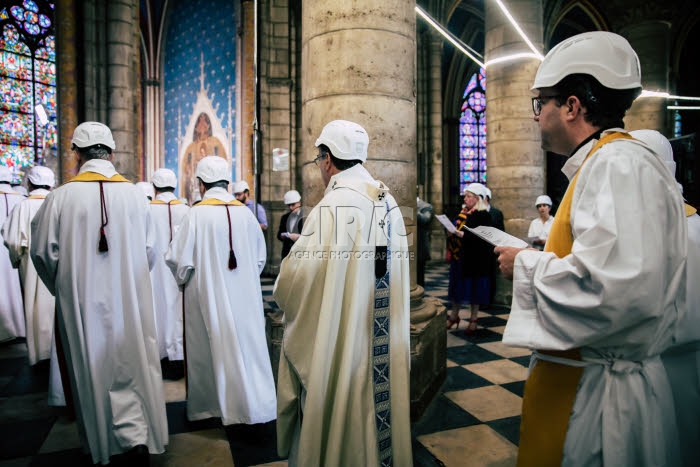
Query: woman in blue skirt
(470, 259)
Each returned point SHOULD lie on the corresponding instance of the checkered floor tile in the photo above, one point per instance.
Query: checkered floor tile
(473, 421)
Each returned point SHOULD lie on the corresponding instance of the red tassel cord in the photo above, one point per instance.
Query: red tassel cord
(232, 263)
(104, 219)
(170, 222)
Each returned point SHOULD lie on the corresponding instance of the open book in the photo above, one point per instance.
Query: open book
(491, 234)
(445, 221)
(497, 237)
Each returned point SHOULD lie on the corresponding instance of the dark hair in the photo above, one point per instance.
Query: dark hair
(37, 187)
(165, 189)
(98, 151)
(340, 164)
(605, 107)
(217, 184)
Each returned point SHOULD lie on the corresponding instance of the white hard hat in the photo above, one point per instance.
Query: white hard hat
(41, 176)
(147, 189)
(164, 178)
(292, 197)
(92, 133)
(5, 174)
(476, 188)
(213, 169)
(346, 140)
(240, 186)
(543, 199)
(661, 146)
(606, 56)
(487, 192)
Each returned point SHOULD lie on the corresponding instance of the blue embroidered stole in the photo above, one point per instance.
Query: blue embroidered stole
(380, 353)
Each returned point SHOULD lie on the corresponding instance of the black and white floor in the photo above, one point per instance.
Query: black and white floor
(474, 421)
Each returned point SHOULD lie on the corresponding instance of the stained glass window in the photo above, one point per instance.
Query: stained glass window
(472, 132)
(677, 124)
(27, 81)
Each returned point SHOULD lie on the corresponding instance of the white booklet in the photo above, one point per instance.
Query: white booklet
(497, 237)
(445, 221)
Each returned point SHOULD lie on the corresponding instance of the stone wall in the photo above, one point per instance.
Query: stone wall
(277, 99)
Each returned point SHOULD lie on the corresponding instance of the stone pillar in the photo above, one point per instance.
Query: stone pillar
(516, 163)
(436, 193)
(277, 50)
(358, 63)
(247, 111)
(66, 167)
(652, 42)
(123, 86)
(436, 177)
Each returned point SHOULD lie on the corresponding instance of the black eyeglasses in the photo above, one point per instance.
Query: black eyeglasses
(538, 102)
(319, 157)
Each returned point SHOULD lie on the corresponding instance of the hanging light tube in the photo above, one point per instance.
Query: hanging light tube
(508, 58)
(519, 29)
(453, 40)
(666, 95)
(535, 54)
(683, 107)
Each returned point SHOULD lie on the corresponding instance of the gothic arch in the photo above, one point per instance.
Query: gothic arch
(683, 38)
(152, 23)
(575, 17)
(466, 21)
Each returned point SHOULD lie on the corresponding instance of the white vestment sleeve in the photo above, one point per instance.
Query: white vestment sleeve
(15, 236)
(617, 274)
(180, 254)
(257, 234)
(44, 248)
(151, 239)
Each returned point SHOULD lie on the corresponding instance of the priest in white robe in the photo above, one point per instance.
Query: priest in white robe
(599, 305)
(39, 304)
(343, 381)
(11, 311)
(167, 213)
(92, 245)
(217, 255)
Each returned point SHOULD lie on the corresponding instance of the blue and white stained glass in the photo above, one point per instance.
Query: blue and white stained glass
(27, 79)
(472, 131)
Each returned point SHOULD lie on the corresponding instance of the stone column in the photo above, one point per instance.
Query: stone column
(111, 91)
(123, 86)
(247, 111)
(436, 193)
(516, 163)
(436, 177)
(652, 42)
(358, 63)
(67, 89)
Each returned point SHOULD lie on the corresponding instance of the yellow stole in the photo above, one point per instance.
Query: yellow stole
(218, 202)
(689, 210)
(232, 261)
(36, 197)
(550, 389)
(157, 201)
(95, 177)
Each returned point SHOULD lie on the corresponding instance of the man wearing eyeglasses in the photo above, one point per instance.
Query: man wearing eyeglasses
(343, 381)
(598, 306)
